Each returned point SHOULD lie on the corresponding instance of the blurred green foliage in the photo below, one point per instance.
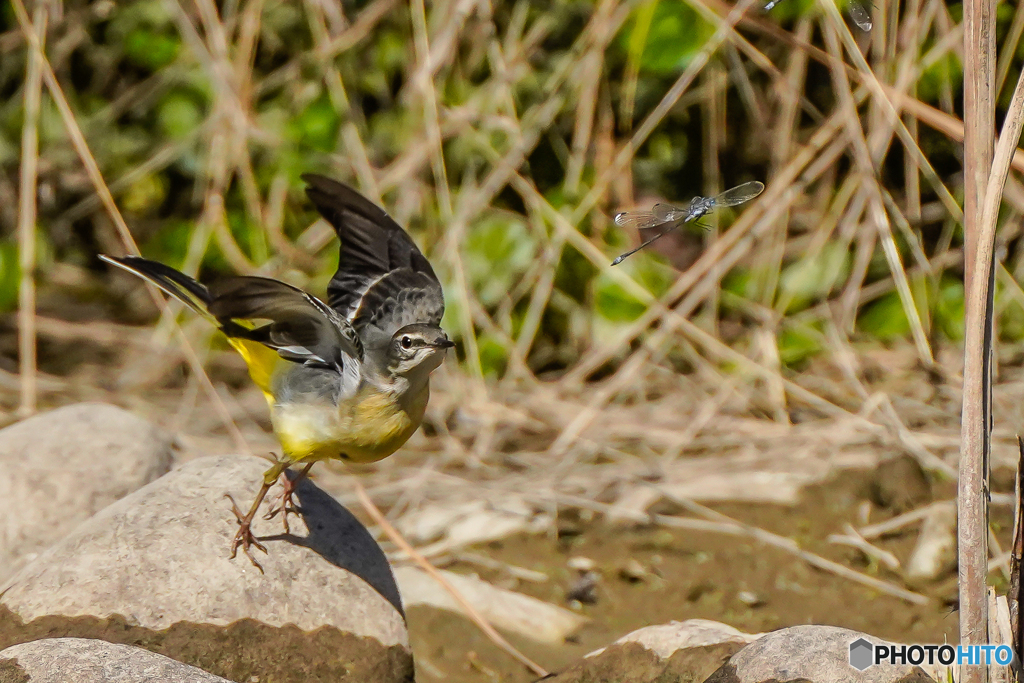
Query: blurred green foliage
(163, 117)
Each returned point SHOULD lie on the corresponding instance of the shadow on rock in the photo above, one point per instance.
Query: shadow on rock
(336, 535)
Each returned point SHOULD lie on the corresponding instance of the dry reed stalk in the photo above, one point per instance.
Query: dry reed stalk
(863, 159)
(981, 219)
(1009, 47)
(886, 99)
(601, 29)
(96, 178)
(638, 39)
(471, 612)
(359, 158)
(625, 155)
(714, 108)
(27, 218)
(786, 121)
(1016, 557)
(425, 79)
(914, 32)
(589, 84)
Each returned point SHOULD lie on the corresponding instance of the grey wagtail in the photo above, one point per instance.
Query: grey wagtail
(347, 379)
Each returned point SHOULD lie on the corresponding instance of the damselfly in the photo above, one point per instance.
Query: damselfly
(674, 216)
(858, 12)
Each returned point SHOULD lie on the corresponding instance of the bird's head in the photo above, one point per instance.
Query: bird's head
(417, 350)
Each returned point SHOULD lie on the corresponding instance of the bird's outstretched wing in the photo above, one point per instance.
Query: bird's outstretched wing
(301, 327)
(383, 279)
(298, 326)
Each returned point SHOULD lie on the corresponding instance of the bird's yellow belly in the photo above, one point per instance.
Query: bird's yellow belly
(368, 427)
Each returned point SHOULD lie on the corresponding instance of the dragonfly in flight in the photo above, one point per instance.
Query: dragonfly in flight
(674, 216)
(858, 12)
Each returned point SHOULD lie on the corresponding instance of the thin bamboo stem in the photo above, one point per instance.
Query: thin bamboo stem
(979, 140)
(27, 219)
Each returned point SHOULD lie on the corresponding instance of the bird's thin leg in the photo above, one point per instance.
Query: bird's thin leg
(284, 503)
(245, 537)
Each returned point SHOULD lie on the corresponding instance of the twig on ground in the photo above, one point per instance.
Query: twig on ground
(725, 524)
(854, 540)
(471, 611)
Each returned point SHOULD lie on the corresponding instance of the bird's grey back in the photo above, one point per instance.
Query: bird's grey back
(383, 280)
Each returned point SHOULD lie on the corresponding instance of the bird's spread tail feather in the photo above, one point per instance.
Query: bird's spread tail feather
(175, 283)
(260, 359)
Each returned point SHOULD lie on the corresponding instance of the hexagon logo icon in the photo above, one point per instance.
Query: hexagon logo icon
(862, 654)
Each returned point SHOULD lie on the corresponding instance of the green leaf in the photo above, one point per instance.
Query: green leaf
(317, 125)
(615, 303)
(170, 243)
(672, 35)
(10, 275)
(797, 344)
(612, 301)
(949, 309)
(498, 251)
(493, 355)
(740, 281)
(179, 115)
(813, 277)
(151, 50)
(945, 72)
(146, 193)
(885, 318)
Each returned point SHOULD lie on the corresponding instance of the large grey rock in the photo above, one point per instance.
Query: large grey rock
(153, 569)
(677, 652)
(60, 467)
(810, 654)
(83, 660)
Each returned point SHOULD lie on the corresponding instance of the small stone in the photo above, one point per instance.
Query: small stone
(584, 589)
(581, 564)
(749, 599)
(633, 571)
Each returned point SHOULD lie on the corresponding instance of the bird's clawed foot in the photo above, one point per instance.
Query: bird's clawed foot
(245, 538)
(285, 504)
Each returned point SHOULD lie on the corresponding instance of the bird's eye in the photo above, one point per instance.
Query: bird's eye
(406, 342)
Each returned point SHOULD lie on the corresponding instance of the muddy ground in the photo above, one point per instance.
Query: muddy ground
(709, 576)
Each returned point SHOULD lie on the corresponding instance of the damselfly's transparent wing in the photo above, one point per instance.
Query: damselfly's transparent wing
(739, 194)
(771, 3)
(659, 215)
(637, 219)
(860, 15)
(668, 213)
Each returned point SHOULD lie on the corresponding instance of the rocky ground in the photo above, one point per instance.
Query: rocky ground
(115, 567)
